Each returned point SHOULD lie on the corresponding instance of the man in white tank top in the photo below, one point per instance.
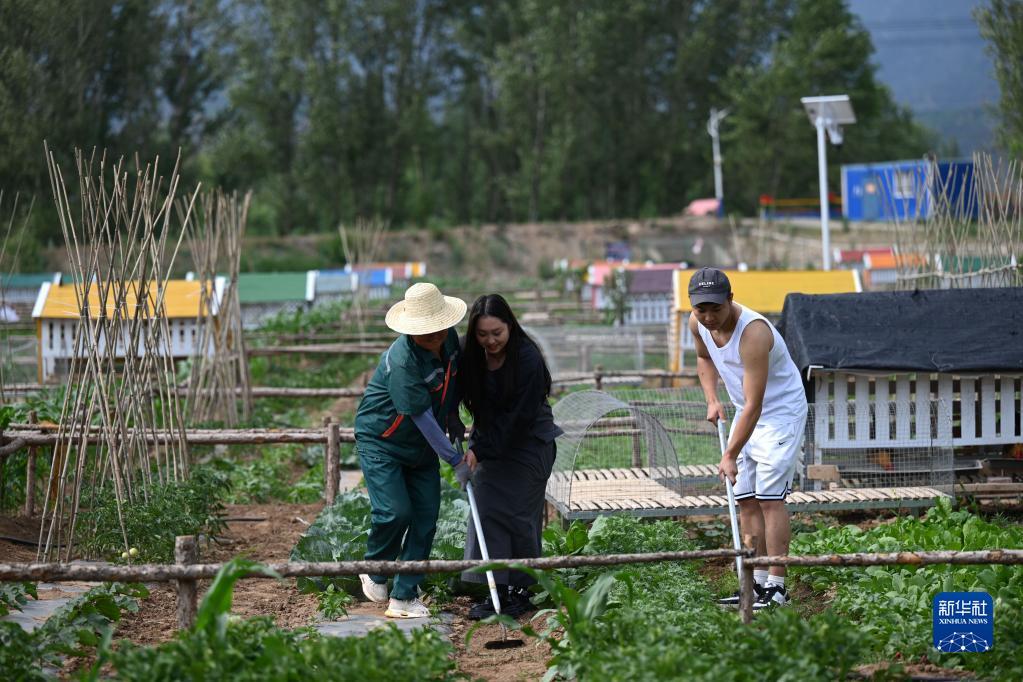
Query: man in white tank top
(745, 351)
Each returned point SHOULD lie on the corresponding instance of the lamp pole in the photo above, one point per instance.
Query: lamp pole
(822, 175)
(713, 124)
(827, 114)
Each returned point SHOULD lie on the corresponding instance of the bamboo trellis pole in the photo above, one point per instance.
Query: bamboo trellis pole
(116, 232)
(968, 230)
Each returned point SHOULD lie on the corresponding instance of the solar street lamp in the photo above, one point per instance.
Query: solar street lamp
(827, 114)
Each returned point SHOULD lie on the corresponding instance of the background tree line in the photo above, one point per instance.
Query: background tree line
(434, 112)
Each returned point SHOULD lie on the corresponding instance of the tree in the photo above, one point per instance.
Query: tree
(1001, 24)
(769, 145)
(75, 73)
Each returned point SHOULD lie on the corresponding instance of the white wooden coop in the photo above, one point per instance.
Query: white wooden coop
(890, 373)
(58, 311)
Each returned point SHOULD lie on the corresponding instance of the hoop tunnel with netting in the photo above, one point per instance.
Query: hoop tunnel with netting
(651, 452)
(622, 453)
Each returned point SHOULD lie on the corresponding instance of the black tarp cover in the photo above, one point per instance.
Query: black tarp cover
(950, 330)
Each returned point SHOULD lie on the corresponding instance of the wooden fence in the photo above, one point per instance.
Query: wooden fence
(597, 378)
(332, 434)
(185, 572)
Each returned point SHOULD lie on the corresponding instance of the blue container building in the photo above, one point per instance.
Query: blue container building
(907, 190)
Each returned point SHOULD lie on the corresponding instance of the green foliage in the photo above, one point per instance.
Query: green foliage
(618, 296)
(15, 595)
(215, 609)
(340, 533)
(657, 622)
(769, 146)
(333, 602)
(1001, 24)
(434, 113)
(255, 649)
(74, 629)
(221, 647)
(47, 404)
(20, 654)
(868, 596)
(269, 475)
(172, 509)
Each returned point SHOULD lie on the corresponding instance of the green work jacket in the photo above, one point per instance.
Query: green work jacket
(408, 381)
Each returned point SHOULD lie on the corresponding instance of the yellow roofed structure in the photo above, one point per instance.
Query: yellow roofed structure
(58, 311)
(763, 291)
(181, 299)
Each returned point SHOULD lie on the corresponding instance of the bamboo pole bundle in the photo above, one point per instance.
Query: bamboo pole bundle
(220, 371)
(968, 231)
(361, 244)
(6, 351)
(116, 228)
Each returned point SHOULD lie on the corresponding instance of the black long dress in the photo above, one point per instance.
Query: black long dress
(515, 447)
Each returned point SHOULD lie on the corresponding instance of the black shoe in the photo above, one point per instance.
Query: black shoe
(773, 595)
(482, 609)
(733, 600)
(516, 602)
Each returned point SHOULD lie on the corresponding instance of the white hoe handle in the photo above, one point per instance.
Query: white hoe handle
(736, 543)
(483, 545)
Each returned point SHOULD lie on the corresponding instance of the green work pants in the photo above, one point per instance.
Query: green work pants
(405, 501)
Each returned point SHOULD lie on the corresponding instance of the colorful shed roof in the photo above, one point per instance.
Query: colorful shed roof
(273, 287)
(650, 281)
(60, 301)
(765, 290)
(891, 261)
(27, 280)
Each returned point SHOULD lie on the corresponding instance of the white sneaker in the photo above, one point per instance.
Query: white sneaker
(373, 591)
(412, 608)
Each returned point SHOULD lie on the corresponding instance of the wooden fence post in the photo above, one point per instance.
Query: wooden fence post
(186, 552)
(30, 474)
(332, 461)
(746, 591)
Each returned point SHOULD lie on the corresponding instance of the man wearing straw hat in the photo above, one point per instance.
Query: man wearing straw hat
(399, 438)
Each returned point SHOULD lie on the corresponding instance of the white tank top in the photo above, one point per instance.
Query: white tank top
(784, 397)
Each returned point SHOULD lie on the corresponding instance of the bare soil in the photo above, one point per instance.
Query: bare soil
(267, 540)
(18, 535)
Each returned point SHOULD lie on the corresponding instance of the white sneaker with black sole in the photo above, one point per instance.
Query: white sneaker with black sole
(413, 608)
(773, 595)
(733, 600)
(375, 592)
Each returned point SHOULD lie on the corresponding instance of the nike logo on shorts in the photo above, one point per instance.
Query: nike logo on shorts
(782, 442)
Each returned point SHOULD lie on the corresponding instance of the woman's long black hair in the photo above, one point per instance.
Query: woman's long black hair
(473, 369)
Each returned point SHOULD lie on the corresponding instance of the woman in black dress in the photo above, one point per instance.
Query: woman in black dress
(505, 384)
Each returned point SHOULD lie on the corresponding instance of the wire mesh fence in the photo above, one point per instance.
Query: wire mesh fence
(582, 349)
(881, 445)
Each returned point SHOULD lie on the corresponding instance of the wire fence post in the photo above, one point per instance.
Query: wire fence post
(186, 552)
(30, 474)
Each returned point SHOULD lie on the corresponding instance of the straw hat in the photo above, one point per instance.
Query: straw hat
(425, 311)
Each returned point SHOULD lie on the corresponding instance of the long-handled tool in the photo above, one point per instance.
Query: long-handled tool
(722, 439)
(504, 642)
